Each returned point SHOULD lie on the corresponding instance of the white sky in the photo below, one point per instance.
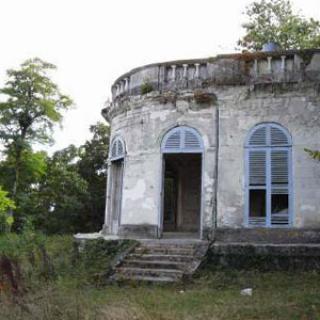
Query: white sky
(94, 42)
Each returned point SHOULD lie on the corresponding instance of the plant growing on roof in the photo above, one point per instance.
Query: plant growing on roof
(146, 87)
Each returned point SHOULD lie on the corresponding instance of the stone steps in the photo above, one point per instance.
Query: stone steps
(161, 261)
(161, 257)
(165, 251)
(153, 272)
(174, 265)
(145, 279)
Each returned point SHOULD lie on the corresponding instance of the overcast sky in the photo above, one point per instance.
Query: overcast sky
(93, 42)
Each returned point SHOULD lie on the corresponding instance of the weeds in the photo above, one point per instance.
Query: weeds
(47, 278)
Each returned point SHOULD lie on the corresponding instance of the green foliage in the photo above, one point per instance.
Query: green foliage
(6, 205)
(72, 289)
(33, 104)
(275, 21)
(33, 167)
(55, 205)
(70, 196)
(62, 193)
(97, 258)
(57, 258)
(314, 154)
(146, 87)
(92, 167)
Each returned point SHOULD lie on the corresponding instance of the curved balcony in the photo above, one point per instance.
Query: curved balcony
(258, 68)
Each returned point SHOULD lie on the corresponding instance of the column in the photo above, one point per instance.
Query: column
(173, 74)
(185, 71)
(197, 72)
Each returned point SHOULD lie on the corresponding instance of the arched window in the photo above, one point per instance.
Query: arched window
(117, 150)
(268, 176)
(182, 140)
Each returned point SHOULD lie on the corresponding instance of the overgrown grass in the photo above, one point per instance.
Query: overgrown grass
(76, 291)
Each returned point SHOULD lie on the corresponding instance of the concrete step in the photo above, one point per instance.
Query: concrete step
(155, 264)
(169, 244)
(144, 272)
(161, 260)
(164, 251)
(160, 257)
(146, 279)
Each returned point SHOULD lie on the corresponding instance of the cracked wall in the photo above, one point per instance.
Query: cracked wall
(143, 127)
(222, 98)
(299, 112)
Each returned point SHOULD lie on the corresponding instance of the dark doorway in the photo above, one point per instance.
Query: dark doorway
(116, 193)
(182, 192)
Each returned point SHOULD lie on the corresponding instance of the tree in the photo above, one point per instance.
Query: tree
(56, 204)
(33, 105)
(5, 205)
(70, 195)
(92, 167)
(275, 21)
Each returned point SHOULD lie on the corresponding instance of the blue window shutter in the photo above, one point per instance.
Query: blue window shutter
(117, 149)
(259, 137)
(257, 167)
(278, 137)
(182, 140)
(268, 173)
(174, 141)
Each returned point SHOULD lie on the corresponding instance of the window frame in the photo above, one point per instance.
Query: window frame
(268, 148)
(117, 156)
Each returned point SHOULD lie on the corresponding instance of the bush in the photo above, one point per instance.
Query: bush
(146, 87)
(42, 259)
(6, 205)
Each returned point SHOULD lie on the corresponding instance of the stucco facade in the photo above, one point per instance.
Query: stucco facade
(222, 99)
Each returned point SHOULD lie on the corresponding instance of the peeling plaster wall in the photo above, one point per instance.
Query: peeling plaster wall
(142, 127)
(238, 92)
(299, 112)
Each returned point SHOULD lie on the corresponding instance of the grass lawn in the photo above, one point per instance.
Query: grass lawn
(56, 282)
(211, 296)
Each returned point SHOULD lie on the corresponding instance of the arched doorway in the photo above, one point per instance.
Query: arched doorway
(117, 154)
(268, 177)
(182, 154)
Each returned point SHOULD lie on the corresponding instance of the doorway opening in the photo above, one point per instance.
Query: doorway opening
(116, 194)
(182, 194)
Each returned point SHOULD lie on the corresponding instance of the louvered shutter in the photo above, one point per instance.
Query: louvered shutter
(278, 137)
(257, 168)
(117, 149)
(279, 187)
(268, 176)
(259, 137)
(114, 149)
(174, 141)
(191, 141)
(279, 167)
(120, 148)
(257, 183)
(182, 140)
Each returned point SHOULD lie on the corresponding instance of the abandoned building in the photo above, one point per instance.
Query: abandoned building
(198, 145)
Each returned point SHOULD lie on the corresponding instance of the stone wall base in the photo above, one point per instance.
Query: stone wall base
(138, 231)
(264, 257)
